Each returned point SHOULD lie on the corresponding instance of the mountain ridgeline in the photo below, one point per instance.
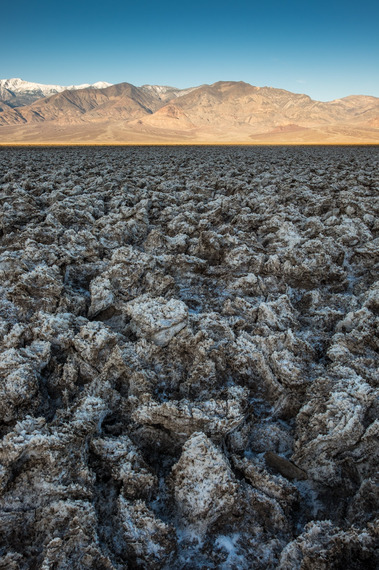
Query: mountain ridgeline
(223, 112)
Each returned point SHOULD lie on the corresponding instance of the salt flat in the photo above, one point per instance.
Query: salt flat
(188, 357)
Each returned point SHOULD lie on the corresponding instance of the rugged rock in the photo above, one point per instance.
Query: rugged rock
(204, 485)
(157, 319)
(188, 358)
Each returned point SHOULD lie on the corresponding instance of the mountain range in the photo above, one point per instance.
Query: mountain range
(224, 112)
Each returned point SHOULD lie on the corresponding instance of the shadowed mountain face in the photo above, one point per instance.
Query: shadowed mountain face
(122, 101)
(223, 112)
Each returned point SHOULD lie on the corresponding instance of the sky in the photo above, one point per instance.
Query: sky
(327, 49)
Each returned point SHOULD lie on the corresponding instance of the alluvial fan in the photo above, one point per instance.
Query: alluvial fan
(189, 358)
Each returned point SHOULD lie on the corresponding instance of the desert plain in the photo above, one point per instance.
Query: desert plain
(189, 357)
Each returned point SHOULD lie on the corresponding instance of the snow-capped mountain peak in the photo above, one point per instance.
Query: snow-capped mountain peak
(101, 84)
(19, 85)
(17, 92)
(165, 92)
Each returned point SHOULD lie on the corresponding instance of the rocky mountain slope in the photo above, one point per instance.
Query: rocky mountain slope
(222, 112)
(189, 358)
(117, 102)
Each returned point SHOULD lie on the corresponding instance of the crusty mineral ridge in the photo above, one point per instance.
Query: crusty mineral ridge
(189, 358)
(205, 486)
(157, 319)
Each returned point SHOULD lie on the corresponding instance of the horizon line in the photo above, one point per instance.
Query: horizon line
(107, 144)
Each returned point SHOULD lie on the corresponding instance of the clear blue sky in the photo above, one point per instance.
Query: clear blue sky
(327, 49)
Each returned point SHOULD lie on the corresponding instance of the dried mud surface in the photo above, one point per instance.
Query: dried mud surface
(189, 358)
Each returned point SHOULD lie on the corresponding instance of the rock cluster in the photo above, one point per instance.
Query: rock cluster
(189, 358)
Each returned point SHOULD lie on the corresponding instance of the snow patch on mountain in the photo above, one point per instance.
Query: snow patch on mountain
(16, 92)
(165, 91)
(17, 85)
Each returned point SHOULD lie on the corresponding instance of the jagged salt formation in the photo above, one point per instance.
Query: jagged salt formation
(189, 358)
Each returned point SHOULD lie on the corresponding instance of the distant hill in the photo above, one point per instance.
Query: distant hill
(225, 111)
